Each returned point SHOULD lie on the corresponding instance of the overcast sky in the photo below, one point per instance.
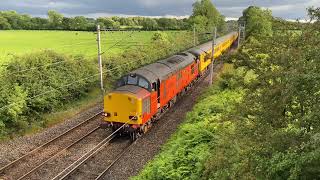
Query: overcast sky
(288, 9)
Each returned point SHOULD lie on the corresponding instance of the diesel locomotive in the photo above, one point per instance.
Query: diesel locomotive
(144, 94)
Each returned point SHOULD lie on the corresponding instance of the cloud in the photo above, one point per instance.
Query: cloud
(289, 9)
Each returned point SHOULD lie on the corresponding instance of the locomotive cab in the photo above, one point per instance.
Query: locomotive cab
(128, 104)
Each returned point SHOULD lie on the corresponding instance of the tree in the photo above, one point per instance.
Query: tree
(79, 23)
(108, 23)
(66, 23)
(258, 21)
(150, 24)
(4, 24)
(39, 23)
(314, 13)
(205, 16)
(13, 19)
(55, 19)
(167, 24)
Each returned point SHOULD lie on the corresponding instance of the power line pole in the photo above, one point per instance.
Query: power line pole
(99, 58)
(242, 32)
(214, 34)
(239, 36)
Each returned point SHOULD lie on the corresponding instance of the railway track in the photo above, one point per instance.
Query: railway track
(100, 150)
(28, 163)
(98, 163)
(125, 150)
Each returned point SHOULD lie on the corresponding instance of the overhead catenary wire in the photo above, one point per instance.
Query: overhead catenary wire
(121, 40)
(74, 44)
(61, 62)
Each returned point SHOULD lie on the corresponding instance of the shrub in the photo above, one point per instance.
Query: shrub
(41, 82)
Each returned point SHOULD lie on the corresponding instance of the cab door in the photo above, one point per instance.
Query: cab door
(155, 97)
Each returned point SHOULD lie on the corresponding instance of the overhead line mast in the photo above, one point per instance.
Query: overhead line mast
(100, 59)
(214, 35)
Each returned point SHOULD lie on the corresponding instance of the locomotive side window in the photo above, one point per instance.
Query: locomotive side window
(154, 86)
(122, 81)
(132, 80)
(143, 83)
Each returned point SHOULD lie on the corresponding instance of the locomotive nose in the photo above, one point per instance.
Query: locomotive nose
(122, 108)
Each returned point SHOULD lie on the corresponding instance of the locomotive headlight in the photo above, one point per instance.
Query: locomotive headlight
(106, 114)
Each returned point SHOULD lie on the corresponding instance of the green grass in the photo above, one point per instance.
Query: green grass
(69, 42)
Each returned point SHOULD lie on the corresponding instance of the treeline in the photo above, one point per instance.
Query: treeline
(204, 17)
(261, 119)
(56, 21)
(281, 24)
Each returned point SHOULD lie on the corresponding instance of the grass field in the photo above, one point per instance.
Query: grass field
(69, 42)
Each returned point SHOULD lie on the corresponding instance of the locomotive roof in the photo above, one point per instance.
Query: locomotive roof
(154, 71)
(163, 68)
(178, 61)
(198, 50)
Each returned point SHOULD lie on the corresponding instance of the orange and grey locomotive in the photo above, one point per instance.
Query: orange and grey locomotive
(143, 95)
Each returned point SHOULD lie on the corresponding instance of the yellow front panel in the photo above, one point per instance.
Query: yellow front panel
(120, 106)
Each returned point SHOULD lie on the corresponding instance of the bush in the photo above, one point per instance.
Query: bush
(41, 82)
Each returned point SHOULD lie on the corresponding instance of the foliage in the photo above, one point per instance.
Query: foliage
(314, 13)
(55, 19)
(150, 24)
(258, 21)
(205, 16)
(4, 24)
(259, 121)
(276, 134)
(27, 94)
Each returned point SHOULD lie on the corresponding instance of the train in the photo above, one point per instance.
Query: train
(143, 95)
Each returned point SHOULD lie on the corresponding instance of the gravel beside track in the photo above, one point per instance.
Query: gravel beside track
(98, 163)
(150, 144)
(18, 147)
(68, 156)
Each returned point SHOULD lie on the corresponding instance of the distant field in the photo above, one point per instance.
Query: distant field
(69, 42)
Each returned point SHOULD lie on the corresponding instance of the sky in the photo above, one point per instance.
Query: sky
(287, 9)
